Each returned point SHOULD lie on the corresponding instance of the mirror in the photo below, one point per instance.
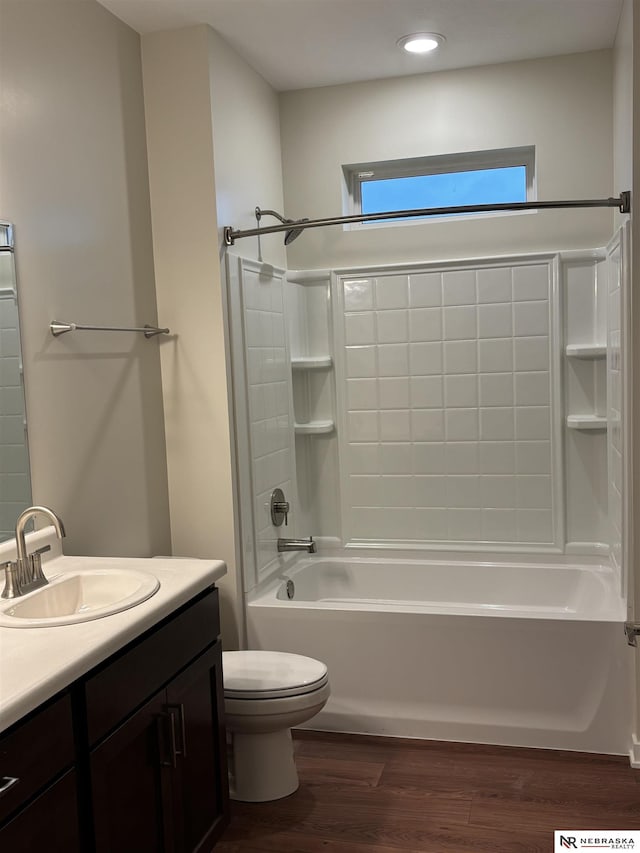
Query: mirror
(15, 482)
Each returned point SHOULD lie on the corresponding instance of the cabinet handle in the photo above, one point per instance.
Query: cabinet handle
(183, 733)
(172, 761)
(7, 782)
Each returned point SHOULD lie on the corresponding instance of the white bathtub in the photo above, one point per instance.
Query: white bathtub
(518, 653)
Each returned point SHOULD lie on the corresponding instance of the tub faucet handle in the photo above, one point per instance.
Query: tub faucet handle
(279, 508)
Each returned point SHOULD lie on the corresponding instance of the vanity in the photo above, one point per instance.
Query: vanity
(112, 730)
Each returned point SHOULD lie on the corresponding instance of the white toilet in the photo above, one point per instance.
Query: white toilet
(265, 694)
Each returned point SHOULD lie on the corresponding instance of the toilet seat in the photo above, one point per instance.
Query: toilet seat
(258, 675)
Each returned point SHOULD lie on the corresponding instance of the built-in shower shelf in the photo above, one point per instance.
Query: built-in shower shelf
(312, 362)
(314, 428)
(586, 351)
(587, 422)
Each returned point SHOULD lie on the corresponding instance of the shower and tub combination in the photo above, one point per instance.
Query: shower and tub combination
(454, 435)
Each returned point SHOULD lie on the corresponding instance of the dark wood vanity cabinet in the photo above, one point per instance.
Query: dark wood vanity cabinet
(159, 781)
(50, 822)
(199, 796)
(149, 768)
(129, 786)
(157, 743)
(38, 782)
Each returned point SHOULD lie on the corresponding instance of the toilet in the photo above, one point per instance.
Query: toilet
(265, 695)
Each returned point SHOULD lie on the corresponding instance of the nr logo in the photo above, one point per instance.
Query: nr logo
(568, 841)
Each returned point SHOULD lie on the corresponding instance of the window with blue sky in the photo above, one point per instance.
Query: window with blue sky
(448, 189)
(497, 176)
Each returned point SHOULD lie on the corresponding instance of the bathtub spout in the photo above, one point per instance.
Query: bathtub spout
(307, 545)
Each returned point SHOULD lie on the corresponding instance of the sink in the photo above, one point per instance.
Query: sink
(79, 597)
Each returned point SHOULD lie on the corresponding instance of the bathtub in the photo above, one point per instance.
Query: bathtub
(520, 653)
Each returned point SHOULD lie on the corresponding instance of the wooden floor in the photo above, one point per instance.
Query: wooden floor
(383, 795)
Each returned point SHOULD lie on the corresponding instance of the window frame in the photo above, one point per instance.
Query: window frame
(354, 174)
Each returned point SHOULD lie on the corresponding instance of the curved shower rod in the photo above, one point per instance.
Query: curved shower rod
(297, 226)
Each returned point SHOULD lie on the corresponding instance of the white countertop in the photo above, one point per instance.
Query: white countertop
(35, 663)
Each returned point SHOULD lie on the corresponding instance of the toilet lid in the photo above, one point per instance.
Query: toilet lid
(270, 675)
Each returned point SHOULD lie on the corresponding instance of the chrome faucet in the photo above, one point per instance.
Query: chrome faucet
(307, 545)
(25, 574)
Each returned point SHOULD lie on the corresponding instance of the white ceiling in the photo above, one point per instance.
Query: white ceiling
(297, 44)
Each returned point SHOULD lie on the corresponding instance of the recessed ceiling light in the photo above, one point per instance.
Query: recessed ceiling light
(421, 42)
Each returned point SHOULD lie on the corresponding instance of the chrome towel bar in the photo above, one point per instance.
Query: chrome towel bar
(58, 328)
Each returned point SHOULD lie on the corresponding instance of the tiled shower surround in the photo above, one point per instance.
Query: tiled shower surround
(616, 417)
(448, 405)
(268, 376)
(463, 405)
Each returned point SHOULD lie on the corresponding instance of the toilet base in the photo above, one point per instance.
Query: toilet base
(261, 766)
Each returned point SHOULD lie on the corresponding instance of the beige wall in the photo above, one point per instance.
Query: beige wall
(213, 157)
(246, 149)
(635, 356)
(562, 105)
(190, 298)
(73, 179)
(623, 101)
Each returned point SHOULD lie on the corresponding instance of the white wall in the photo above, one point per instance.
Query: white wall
(73, 179)
(562, 105)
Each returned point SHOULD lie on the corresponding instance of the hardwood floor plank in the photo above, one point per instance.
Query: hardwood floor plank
(341, 801)
(451, 780)
(225, 846)
(504, 758)
(337, 742)
(549, 813)
(295, 843)
(397, 839)
(330, 745)
(330, 771)
(504, 770)
(368, 816)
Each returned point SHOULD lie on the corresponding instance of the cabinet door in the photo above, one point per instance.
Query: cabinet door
(201, 798)
(49, 823)
(131, 784)
(30, 755)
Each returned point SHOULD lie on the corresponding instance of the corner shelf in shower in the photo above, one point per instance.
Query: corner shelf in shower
(587, 422)
(312, 362)
(586, 351)
(314, 428)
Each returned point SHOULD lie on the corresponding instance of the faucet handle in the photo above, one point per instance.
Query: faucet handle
(35, 562)
(40, 551)
(11, 584)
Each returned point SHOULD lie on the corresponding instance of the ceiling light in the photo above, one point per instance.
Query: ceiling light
(421, 42)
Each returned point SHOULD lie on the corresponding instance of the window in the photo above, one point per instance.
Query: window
(480, 177)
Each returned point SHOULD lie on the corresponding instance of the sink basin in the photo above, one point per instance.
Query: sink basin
(79, 597)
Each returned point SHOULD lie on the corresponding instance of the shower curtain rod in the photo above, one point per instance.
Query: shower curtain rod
(623, 203)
